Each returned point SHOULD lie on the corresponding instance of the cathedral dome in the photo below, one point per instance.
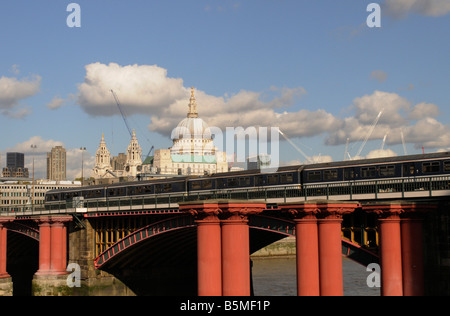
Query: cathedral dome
(192, 126)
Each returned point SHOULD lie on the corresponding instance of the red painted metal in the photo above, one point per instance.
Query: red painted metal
(157, 228)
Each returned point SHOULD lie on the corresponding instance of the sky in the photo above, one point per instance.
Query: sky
(315, 69)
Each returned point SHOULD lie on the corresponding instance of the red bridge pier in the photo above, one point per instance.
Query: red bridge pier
(223, 245)
(51, 275)
(402, 269)
(318, 245)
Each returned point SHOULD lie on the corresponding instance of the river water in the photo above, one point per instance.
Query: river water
(277, 277)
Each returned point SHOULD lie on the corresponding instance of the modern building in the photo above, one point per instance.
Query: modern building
(14, 194)
(15, 166)
(56, 164)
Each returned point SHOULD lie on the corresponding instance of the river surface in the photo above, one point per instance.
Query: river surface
(277, 277)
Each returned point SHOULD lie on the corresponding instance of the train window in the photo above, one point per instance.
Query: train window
(144, 189)
(287, 178)
(330, 175)
(259, 180)
(430, 167)
(314, 176)
(116, 192)
(220, 183)
(446, 166)
(349, 174)
(272, 179)
(369, 172)
(207, 184)
(94, 193)
(232, 182)
(157, 188)
(408, 169)
(196, 185)
(168, 187)
(387, 171)
(244, 181)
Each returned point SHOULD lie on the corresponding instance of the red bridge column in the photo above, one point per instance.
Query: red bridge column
(412, 248)
(223, 249)
(58, 244)
(236, 246)
(53, 245)
(390, 246)
(209, 247)
(307, 247)
(412, 257)
(3, 247)
(330, 246)
(44, 246)
(319, 246)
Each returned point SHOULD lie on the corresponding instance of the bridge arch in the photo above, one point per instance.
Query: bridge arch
(166, 226)
(23, 229)
(287, 228)
(279, 228)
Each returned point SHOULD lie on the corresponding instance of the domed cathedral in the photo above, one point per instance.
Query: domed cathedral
(193, 151)
(125, 170)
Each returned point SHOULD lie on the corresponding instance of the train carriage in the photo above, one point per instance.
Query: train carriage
(392, 174)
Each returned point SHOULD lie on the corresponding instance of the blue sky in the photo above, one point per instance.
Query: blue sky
(313, 68)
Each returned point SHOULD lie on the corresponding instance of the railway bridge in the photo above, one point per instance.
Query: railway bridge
(200, 245)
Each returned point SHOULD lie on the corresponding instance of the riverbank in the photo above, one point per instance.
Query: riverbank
(284, 248)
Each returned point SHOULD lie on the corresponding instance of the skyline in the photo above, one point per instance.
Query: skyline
(313, 69)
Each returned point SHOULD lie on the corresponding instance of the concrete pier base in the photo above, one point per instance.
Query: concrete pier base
(6, 287)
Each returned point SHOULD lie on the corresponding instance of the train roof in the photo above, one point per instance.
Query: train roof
(386, 160)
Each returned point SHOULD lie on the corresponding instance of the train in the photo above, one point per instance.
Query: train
(294, 177)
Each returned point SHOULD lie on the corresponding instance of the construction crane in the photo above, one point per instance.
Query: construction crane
(121, 112)
(308, 159)
(148, 155)
(126, 121)
(370, 132)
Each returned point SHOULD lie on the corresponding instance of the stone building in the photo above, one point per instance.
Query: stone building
(193, 151)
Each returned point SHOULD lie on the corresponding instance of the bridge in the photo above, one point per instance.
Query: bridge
(200, 244)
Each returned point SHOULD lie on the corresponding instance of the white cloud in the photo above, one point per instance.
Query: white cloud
(418, 123)
(149, 91)
(141, 89)
(55, 103)
(423, 109)
(12, 91)
(381, 153)
(432, 8)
